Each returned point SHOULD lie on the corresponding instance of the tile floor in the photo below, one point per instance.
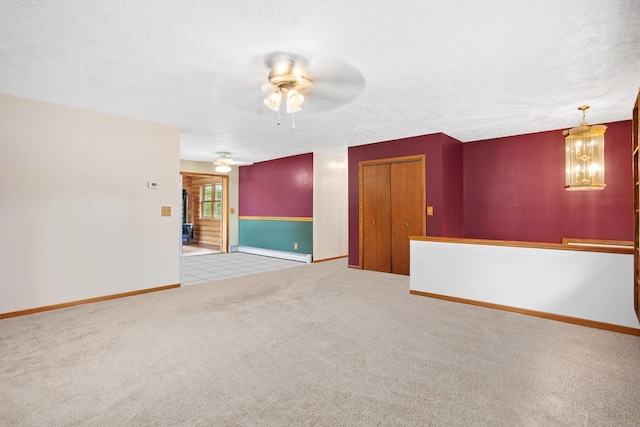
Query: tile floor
(209, 268)
(194, 249)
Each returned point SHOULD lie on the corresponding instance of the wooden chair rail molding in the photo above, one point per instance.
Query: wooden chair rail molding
(598, 243)
(619, 248)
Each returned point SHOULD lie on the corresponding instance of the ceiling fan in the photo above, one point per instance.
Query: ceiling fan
(287, 79)
(330, 82)
(223, 164)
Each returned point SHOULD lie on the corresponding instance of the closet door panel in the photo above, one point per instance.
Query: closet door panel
(376, 221)
(407, 194)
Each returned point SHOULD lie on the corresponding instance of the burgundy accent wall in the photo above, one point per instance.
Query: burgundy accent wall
(514, 190)
(452, 188)
(280, 187)
(443, 156)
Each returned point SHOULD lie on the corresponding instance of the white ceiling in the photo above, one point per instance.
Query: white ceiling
(470, 69)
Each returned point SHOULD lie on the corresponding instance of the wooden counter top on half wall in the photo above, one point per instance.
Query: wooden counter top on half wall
(611, 246)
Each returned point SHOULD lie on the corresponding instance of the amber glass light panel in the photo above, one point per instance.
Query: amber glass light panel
(585, 157)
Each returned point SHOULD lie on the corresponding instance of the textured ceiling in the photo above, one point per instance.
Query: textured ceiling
(384, 69)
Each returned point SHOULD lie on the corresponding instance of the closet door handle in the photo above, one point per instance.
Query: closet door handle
(407, 224)
(374, 223)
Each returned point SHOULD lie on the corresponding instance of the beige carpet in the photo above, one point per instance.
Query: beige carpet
(318, 344)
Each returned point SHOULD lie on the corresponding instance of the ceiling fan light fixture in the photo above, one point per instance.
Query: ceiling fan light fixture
(286, 77)
(294, 101)
(223, 164)
(273, 101)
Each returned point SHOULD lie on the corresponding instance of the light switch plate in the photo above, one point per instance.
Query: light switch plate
(166, 211)
(429, 210)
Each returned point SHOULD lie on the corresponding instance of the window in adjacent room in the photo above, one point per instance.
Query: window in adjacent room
(217, 201)
(211, 201)
(206, 210)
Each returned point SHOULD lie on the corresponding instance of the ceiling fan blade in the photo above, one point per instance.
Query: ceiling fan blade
(273, 58)
(319, 102)
(268, 87)
(332, 69)
(336, 83)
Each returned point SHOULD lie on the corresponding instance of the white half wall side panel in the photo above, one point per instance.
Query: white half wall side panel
(77, 216)
(595, 286)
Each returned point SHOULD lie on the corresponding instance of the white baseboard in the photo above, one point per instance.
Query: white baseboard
(293, 256)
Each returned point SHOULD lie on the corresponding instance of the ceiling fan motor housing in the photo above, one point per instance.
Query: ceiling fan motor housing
(285, 77)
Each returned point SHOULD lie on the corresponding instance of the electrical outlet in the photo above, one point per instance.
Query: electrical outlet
(295, 246)
(429, 210)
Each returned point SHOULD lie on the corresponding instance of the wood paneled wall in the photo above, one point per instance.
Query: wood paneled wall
(205, 230)
(186, 185)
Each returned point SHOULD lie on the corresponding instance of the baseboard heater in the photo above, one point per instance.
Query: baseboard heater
(293, 256)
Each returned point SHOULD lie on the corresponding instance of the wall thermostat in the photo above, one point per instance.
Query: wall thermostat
(153, 184)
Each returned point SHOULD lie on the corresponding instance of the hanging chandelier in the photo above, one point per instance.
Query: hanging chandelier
(223, 164)
(287, 82)
(584, 157)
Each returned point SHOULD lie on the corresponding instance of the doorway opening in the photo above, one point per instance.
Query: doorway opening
(205, 216)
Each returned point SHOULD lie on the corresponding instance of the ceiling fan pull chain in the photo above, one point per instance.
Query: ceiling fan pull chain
(293, 120)
(278, 116)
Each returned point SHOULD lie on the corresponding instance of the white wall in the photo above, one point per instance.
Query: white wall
(208, 168)
(76, 217)
(330, 207)
(595, 286)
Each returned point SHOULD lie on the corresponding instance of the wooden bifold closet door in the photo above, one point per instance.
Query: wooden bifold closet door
(391, 209)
